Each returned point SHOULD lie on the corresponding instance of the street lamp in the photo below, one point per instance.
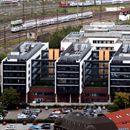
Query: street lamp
(4, 34)
(77, 11)
(23, 11)
(100, 11)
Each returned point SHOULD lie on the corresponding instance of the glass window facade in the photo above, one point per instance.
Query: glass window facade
(43, 72)
(96, 73)
(14, 75)
(67, 78)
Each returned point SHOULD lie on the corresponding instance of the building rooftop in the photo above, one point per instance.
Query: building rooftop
(24, 51)
(75, 52)
(77, 121)
(119, 117)
(103, 34)
(73, 37)
(100, 27)
(123, 54)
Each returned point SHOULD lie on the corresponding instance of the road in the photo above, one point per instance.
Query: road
(20, 126)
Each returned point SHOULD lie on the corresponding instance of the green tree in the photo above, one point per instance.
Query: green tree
(121, 99)
(58, 35)
(10, 97)
(2, 56)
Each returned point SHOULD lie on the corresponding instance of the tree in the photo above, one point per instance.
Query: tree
(10, 97)
(43, 6)
(58, 35)
(121, 99)
(2, 56)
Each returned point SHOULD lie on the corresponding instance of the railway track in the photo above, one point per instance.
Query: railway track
(105, 16)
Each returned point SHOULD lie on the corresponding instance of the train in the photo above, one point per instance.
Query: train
(86, 3)
(19, 25)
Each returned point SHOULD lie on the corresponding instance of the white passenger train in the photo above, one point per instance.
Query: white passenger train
(85, 3)
(18, 25)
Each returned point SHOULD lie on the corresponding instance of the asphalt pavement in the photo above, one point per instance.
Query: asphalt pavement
(20, 126)
(43, 115)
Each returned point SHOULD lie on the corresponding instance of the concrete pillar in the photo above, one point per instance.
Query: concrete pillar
(70, 99)
(26, 97)
(56, 98)
(79, 98)
(109, 99)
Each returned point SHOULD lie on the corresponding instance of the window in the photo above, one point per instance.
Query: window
(28, 65)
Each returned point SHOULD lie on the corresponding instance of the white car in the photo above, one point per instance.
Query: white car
(1, 117)
(11, 127)
(21, 116)
(54, 116)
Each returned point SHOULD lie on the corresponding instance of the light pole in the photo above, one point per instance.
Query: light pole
(57, 15)
(100, 19)
(32, 5)
(36, 18)
(23, 10)
(4, 34)
(77, 11)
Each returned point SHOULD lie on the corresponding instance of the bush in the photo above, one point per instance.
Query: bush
(2, 56)
(25, 121)
(113, 108)
(55, 106)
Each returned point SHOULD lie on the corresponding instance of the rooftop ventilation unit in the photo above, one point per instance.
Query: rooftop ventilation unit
(125, 48)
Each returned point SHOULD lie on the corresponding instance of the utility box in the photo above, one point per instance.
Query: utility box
(31, 35)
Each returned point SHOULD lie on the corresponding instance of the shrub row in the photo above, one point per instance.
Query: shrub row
(27, 121)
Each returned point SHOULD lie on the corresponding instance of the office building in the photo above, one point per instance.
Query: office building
(16, 68)
(90, 66)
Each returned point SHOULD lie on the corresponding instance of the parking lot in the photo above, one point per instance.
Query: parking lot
(13, 114)
(44, 114)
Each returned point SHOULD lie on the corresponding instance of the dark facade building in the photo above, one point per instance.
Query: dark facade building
(77, 121)
(69, 69)
(91, 66)
(17, 67)
(120, 70)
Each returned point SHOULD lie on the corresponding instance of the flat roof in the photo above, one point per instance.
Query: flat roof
(103, 34)
(25, 50)
(75, 52)
(73, 37)
(123, 54)
(105, 28)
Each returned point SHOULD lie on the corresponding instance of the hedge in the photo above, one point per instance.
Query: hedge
(27, 121)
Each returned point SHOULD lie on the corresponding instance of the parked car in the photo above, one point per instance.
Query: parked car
(11, 127)
(57, 111)
(37, 111)
(34, 127)
(46, 126)
(1, 117)
(67, 110)
(4, 112)
(22, 116)
(27, 112)
(54, 116)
